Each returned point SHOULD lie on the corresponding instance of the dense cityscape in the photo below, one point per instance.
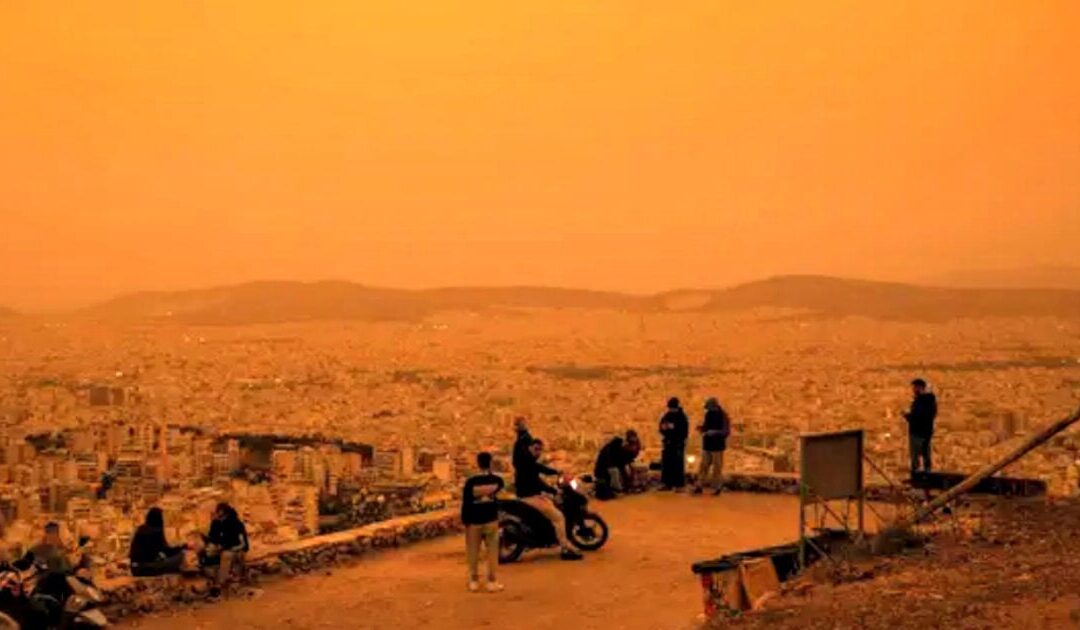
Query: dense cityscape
(313, 427)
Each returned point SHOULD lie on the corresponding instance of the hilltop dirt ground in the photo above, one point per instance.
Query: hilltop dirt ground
(997, 565)
(1019, 568)
(640, 581)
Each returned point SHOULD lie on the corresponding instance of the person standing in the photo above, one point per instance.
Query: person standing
(522, 443)
(714, 434)
(674, 428)
(920, 419)
(480, 514)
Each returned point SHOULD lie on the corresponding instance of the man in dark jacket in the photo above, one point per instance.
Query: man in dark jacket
(920, 419)
(714, 434)
(522, 442)
(480, 515)
(613, 470)
(534, 491)
(227, 542)
(674, 428)
(609, 469)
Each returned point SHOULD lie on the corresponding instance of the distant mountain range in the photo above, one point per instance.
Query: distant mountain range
(266, 302)
(1043, 277)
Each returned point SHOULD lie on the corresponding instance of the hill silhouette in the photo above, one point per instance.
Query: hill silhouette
(267, 302)
(264, 302)
(888, 300)
(1041, 277)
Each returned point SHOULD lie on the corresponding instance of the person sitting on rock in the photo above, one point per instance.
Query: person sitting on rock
(226, 544)
(150, 553)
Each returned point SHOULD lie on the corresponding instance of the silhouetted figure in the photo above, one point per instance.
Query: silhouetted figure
(613, 470)
(480, 514)
(714, 434)
(227, 544)
(674, 428)
(533, 490)
(150, 553)
(920, 421)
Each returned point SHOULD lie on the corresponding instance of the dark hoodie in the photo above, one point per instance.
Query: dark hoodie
(675, 436)
(149, 544)
(921, 417)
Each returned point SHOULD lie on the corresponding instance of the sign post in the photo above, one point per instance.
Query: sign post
(830, 469)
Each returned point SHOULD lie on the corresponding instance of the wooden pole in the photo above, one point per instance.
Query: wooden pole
(990, 469)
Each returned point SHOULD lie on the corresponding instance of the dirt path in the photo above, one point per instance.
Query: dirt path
(640, 581)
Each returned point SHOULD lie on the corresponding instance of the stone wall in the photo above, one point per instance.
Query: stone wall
(129, 595)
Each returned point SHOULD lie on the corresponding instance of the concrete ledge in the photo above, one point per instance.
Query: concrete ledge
(772, 483)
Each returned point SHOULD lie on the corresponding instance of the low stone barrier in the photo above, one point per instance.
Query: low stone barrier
(772, 483)
(130, 595)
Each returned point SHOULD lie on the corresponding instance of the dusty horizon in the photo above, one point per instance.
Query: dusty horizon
(620, 146)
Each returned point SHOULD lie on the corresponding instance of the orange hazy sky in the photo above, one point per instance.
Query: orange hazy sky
(606, 144)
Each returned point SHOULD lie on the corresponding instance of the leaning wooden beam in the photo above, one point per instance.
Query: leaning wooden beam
(990, 469)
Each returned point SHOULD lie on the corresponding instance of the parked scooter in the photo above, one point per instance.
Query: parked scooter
(523, 527)
(32, 598)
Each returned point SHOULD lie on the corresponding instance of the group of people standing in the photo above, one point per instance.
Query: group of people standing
(614, 472)
(675, 432)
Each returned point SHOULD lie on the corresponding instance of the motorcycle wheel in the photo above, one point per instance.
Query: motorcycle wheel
(511, 540)
(7, 623)
(590, 534)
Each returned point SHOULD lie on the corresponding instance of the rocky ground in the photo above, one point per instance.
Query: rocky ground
(994, 565)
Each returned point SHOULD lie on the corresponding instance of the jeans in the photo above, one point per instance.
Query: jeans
(711, 472)
(920, 450)
(488, 534)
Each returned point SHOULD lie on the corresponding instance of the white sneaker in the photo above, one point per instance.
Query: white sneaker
(494, 587)
(474, 586)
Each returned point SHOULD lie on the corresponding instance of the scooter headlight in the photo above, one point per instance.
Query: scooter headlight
(575, 484)
(76, 603)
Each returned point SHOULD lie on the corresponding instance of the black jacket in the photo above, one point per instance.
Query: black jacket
(921, 417)
(149, 544)
(675, 436)
(527, 481)
(521, 448)
(229, 534)
(613, 455)
(715, 420)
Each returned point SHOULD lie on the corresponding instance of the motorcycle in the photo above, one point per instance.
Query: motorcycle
(523, 527)
(25, 604)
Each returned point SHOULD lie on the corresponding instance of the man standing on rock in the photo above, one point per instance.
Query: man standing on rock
(920, 419)
(674, 428)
